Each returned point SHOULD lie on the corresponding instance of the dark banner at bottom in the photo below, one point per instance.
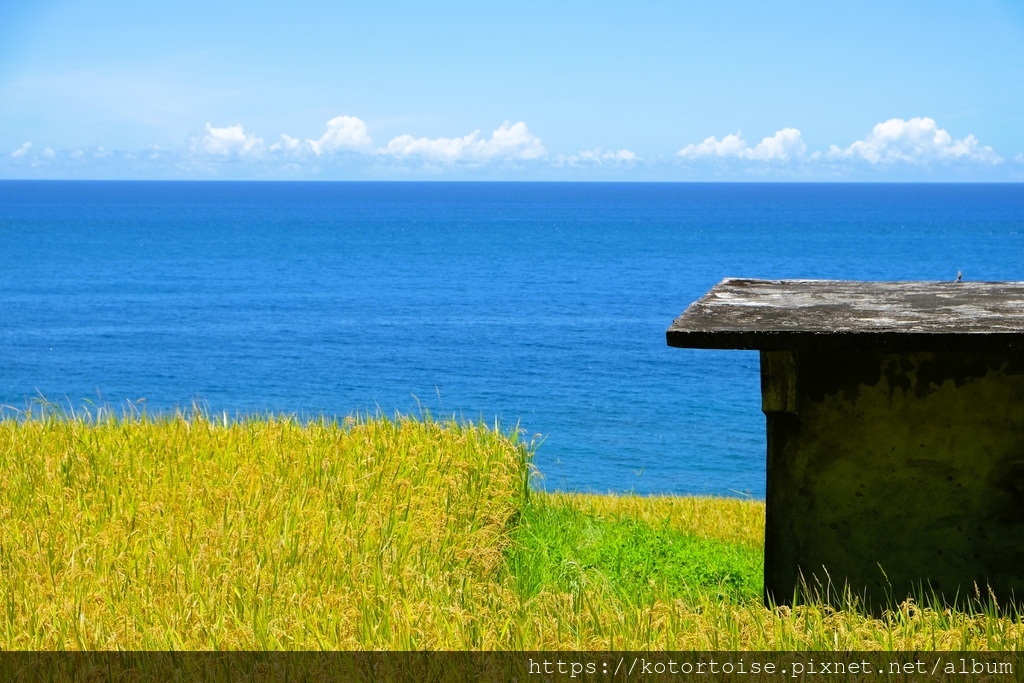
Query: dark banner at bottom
(521, 667)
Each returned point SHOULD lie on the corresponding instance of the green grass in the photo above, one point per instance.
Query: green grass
(563, 548)
(186, 532)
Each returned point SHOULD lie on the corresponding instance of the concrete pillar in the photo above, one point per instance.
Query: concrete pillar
(893, 474)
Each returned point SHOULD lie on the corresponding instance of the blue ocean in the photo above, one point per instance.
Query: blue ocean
(542, 306)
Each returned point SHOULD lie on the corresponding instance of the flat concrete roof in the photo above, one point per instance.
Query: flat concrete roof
(845, 315)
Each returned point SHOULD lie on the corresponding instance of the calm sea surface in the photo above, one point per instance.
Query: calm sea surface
(543, 305)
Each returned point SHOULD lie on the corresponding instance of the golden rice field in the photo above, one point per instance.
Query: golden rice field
(271, 533)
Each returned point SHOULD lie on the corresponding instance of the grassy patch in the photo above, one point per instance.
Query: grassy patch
(563, 548)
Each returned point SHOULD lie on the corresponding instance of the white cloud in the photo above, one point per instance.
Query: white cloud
(288, 144)
(343, 132)
(231, 141)
(785, 145)
(349, 133)
(49, 153)
(615, 157)
(513, 142)
(21, 151)
(918, 140)
(729, 146)
(509, 141)
(442, 149)
(1019, 158)
(599, 157)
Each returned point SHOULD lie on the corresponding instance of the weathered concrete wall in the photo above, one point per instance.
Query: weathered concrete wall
(887, 471)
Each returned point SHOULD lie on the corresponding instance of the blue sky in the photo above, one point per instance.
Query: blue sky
(725, 90)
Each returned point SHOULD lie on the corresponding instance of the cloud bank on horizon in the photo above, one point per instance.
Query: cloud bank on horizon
(917, 142)
(346, 148)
